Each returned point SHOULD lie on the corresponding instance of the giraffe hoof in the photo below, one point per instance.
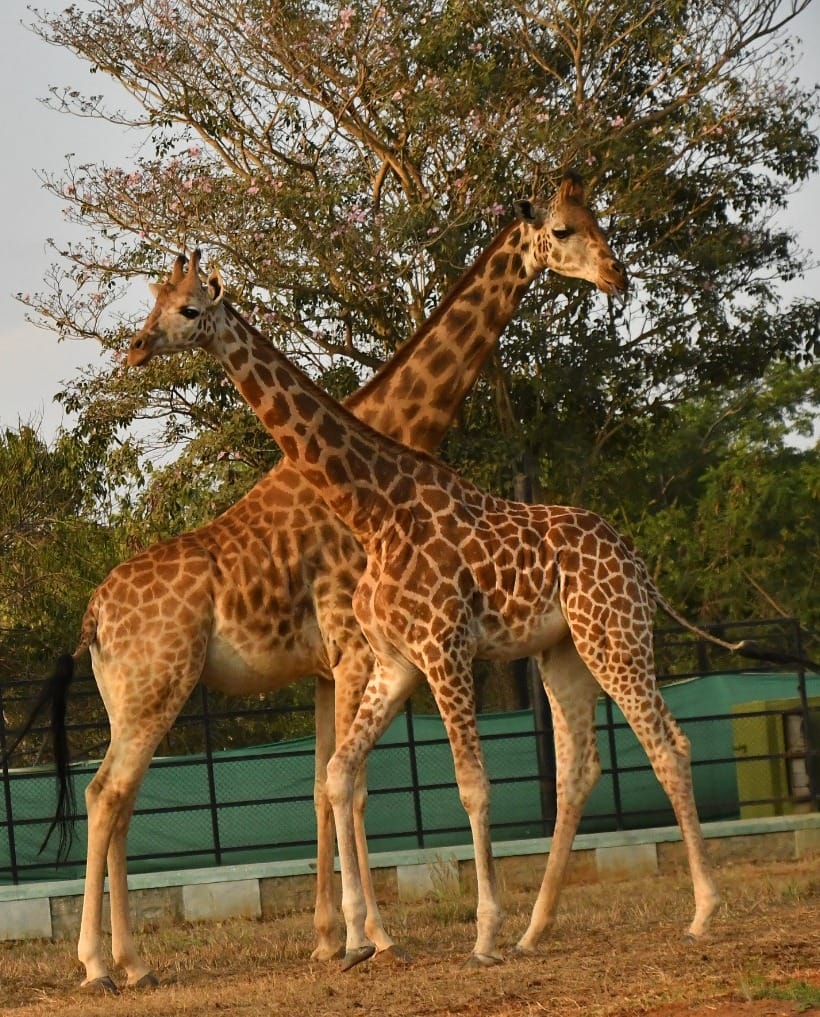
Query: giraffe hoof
(150, 980)
(328, 953)
(519, 950)
(393, 955)
(483, 960)
(104, 986)
(354, 957)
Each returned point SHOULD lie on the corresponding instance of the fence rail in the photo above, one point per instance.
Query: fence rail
(755, 738)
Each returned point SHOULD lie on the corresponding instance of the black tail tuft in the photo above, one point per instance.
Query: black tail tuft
(54, 694)
(750, 649)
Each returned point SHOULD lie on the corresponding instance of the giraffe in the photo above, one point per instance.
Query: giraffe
(261, 596)
(453, 574)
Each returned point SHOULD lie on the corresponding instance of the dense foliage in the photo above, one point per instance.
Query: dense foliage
(343, 163)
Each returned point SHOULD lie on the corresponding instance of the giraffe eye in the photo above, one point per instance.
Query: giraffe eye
(189, 312)
(562, 234)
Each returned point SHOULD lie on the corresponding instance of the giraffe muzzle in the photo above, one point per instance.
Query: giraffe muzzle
(139, 352)
(614, 281)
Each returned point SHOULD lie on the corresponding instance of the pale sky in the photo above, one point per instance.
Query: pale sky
(34, 364)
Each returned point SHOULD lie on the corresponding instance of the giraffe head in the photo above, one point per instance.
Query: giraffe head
(183, 316)
(566, 238)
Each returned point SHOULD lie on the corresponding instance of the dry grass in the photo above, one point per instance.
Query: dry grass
(617, 951)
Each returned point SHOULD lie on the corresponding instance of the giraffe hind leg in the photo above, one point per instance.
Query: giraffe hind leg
(636, 693)
(572, 693)
(110, 801)
(328, 945)
(707, 896)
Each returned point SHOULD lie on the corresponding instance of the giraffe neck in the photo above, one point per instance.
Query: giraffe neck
(344, 460)
(415, 396)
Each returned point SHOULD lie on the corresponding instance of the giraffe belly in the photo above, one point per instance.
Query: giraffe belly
(241, 670)
(503, 638)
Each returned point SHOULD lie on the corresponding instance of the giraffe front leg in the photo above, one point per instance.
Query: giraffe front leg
(452, 686)
(374, 928)
(340, 778)
(476, 798)
(381, 701)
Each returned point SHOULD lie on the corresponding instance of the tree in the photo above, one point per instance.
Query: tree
(52, 549)
(343, 163)
(733, 522)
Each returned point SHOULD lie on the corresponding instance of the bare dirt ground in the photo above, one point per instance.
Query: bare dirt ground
(617, 951)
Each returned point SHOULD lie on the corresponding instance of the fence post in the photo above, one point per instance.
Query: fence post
(812, 750)
(544, 750)
(613, 762)
(209, 763)
(15, 875)
(414, 772)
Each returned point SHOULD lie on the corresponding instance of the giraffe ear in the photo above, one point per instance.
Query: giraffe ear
(526, 211)
(572, 188)
(216, 289)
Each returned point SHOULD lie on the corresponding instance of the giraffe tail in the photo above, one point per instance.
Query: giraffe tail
(53, 697)
(746, 647)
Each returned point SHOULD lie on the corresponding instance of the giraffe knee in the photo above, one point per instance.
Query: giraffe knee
(475, 796)
(339, 782)
(359, 798)
(576, 786)
(683, 747)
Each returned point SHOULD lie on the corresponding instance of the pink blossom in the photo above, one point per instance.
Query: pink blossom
(253, 189)
(70, 189)
(194, 150)
(345, 15)
(617, 122)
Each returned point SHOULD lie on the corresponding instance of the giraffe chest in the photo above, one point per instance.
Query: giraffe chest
(280, 616)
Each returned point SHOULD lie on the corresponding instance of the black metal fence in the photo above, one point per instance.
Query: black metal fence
(230, 801)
